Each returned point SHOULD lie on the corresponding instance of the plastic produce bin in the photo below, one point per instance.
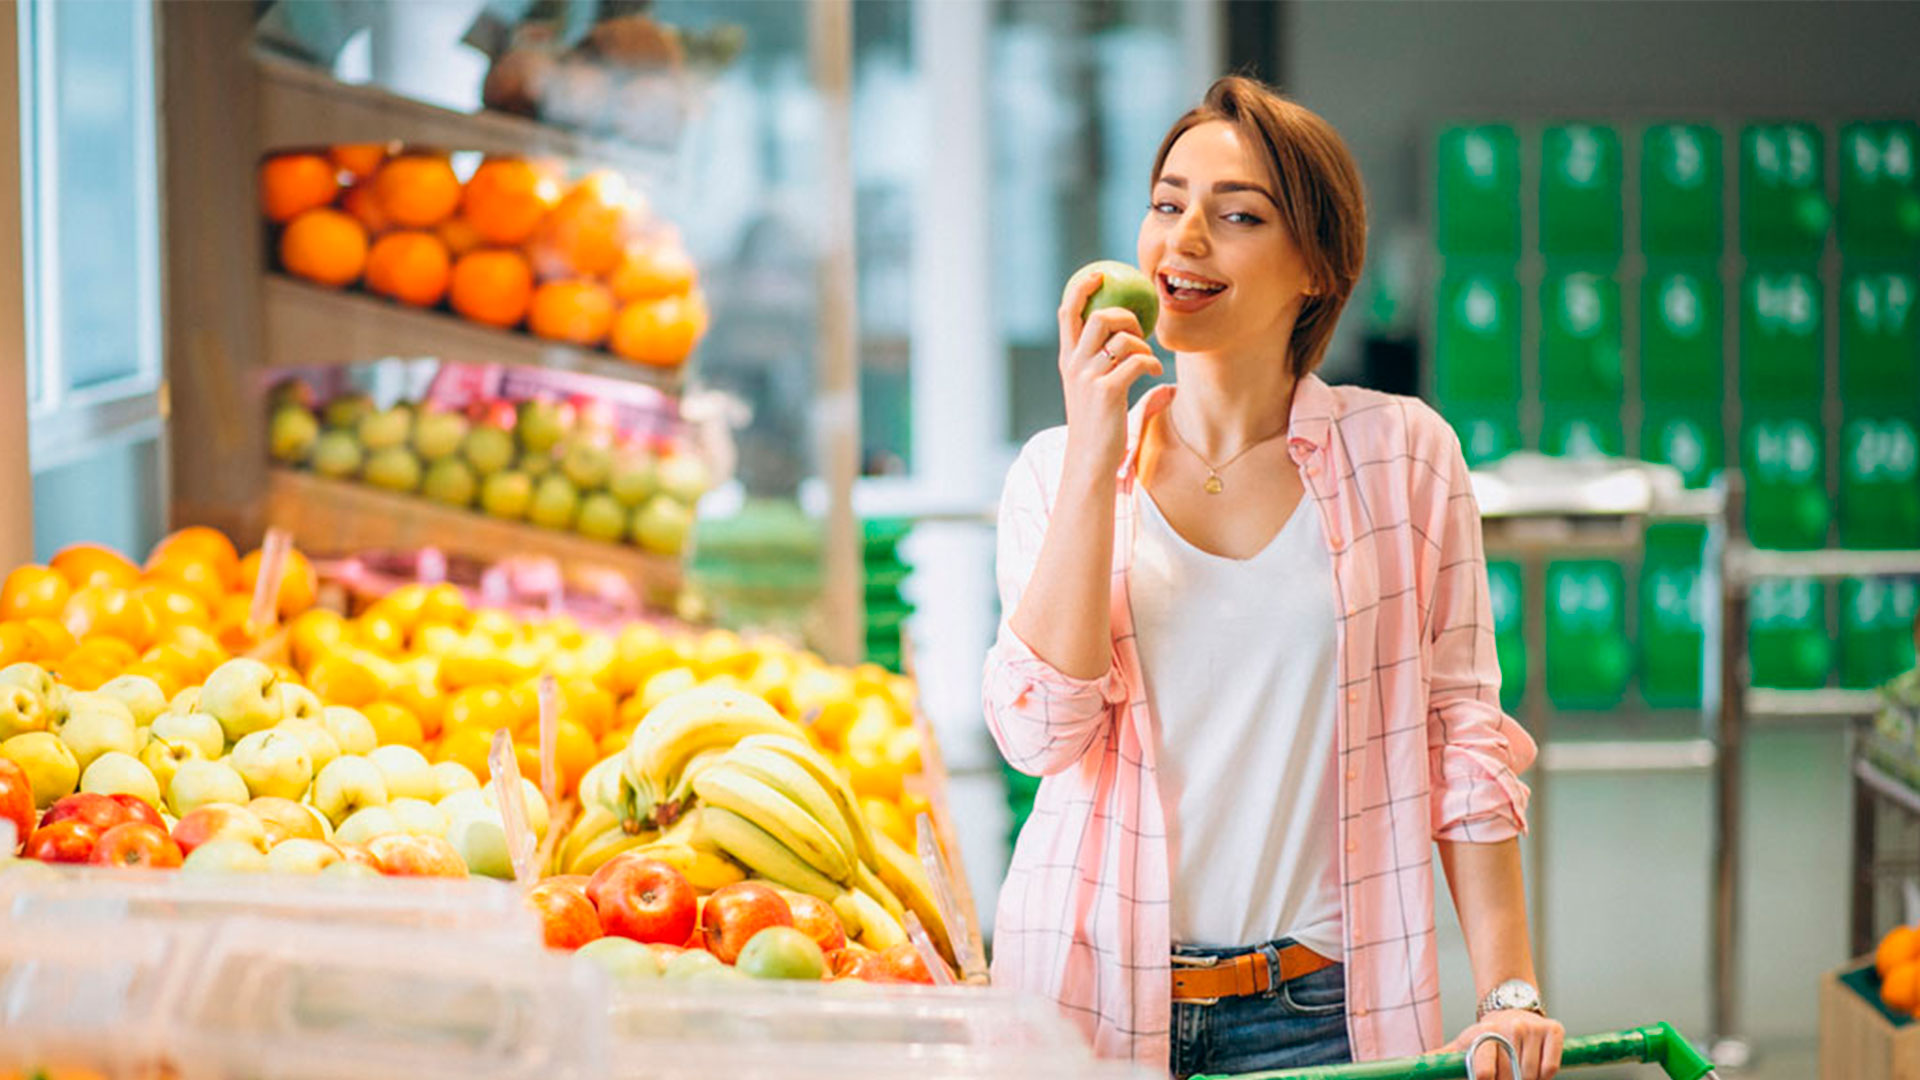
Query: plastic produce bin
(1781, 338)
(1477, 356)
(1580, 338)
(1783, 458)
(1479, 196)
(1879, 190)
(1879, 333)
(1783, 203)
(1580, 191)
(1588, 661)
(1682, 336)
(1680, 184)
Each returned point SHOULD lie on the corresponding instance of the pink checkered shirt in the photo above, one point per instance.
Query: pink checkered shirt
(1425, 752)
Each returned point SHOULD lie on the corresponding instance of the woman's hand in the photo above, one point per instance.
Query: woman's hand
(1536, 1037)
(1100, 358)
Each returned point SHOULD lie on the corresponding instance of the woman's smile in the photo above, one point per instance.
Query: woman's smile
(1184, 292)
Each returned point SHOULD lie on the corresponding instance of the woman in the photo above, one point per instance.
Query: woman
(1247, 643)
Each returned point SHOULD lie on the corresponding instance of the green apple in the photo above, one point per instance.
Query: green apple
(488, 449)
(321, 745)
(633, 477)
(662, 525)
(418, 816)
(407, 772)
(186, 701)
(481, 839)
(225, 857)
(163, 758)
(438, 435)
(450, 481)
(31, 676)
(273, 764)
(542, 424)
(347, 868)
(586, 462)
(197, 783)
(554, 502)
(116, 773)
(299, 703)
(602, 518)
(291, 435)
(386, 429)
(536, 465)
(50, 767)
(244, 695)
(684, 477)
(93, 728)
(299, 855)
(536, 804)
(782, 952)
(507, 494)
(623, 959)
(451, 776)
(141, 695)
(347, 410)
(21, 711)
(337, 454)
(394, 469)
(1121, 286)
(464, 802)
(350, 729)
(348, 783)
(195, 729)
(366, 823)
(690, 964)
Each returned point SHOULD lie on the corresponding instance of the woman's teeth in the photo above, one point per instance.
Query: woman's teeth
(1185, 284)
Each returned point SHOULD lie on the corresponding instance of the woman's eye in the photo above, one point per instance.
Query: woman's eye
(1242, 218)
(1165, 208)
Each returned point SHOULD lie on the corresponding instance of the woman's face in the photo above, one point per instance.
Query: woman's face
(1228, 273)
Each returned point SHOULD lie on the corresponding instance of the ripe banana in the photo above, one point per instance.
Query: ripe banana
(758, 851)
(593, 822)
(677, 729)
(601, 849)
(704, 870)
(727, 787)
(601, 784)
(865, 881)
(796, 782)
(903, 874)
(802, 753)
(878, 930)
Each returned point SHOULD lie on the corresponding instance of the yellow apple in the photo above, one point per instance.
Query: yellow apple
(50, 766)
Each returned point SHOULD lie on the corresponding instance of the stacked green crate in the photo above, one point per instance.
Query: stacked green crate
(1879, 496)
(887, 610)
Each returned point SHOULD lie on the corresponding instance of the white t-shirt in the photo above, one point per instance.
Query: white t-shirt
(1239, 657)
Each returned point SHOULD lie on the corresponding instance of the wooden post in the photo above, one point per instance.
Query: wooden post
(16, 472)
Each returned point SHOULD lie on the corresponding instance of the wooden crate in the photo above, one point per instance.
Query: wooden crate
(1857, 1041)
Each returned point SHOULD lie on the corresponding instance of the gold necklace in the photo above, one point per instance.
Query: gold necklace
(1213, 484)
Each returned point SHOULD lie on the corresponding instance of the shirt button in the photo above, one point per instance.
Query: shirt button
(1353, 774)
(1353, 696)
(1334, 539)
(1352, 846)
(1362, 1010)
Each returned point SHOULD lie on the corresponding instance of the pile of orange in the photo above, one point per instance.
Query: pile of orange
(1897, 961)
(91, 614)
(512, 246)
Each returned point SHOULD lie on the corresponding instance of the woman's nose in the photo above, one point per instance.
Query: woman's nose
(1190, 232)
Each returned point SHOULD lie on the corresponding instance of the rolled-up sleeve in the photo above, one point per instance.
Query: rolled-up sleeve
(1042, 719)
(1476, 752)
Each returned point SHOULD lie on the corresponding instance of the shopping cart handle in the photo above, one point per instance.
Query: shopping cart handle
(1658, 1044)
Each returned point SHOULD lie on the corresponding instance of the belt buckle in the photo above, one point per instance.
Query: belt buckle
(1198, 962)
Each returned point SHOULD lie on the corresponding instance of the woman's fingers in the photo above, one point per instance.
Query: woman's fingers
(1101, 326)
(1550, 1049)
(1126, 371)
(1079, 291)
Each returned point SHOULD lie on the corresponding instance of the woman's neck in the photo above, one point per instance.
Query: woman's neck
(1223, 406)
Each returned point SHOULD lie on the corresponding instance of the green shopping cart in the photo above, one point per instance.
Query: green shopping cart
(1658, 1044)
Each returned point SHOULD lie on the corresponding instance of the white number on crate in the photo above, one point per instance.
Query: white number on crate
(1477, 153)
(1684, 449)
(1783, 602)
(1581, 306)
(1882, 450)
(1882, 302)
(1580, 163)
(1680, 306)
(1480, 307)
(1784, 302)
(1677, 598)
(1685, 161)
(1584, 599)
(1786, 450)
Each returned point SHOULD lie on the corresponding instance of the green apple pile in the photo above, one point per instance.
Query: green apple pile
(539, 461)
(253, 757)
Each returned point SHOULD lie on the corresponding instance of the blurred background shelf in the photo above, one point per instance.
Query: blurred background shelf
(329, 516)
(310, 326)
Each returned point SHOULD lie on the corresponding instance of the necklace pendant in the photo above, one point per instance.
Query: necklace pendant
(1213, 486)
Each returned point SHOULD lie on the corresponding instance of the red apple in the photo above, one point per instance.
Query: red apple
(643, 899)
(903, 963)
(139, 809)
(98, 811)
(815, 918)
(413, 855)
(734, 913)
(576, 882)
(865, 965)
(16, 801)
(136, 843)
(286, 819)
(220, 821)
(69, 841)
(354, 853)
(567, 917)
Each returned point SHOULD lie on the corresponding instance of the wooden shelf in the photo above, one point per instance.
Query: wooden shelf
(334, 517)
(310, 326)
(301, 105)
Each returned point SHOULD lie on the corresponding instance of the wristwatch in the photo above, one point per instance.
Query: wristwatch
(1512, 994)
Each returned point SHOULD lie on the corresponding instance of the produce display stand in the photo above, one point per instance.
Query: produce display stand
(1657, 1044)
(1883, 802)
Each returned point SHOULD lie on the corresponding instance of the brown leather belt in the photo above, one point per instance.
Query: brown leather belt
(1242, 975)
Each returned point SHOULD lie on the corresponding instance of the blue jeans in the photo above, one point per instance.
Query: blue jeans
(1298, 1023)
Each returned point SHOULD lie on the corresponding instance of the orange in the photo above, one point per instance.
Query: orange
(649, 271)
(492, 286)
(92, 564)
(424, 699)
(506, 198)
(1900, 946)
(292, 184)
(524, 698)
(34, 590)
(15, 643)
(589, 703)
(381, 633)
(587, 231)
(199, 649)
(393, 724)
(365, 208)
(445, 603)
(51, 640)
(1901, 988)
(469, 747)
(81, 672)
(172, 603)
(483, 708)
(324, 246)
(459, 236)
(203, 579)
(108, 651)
(358, 160)
(200, 543)
(106, 609)
(417, 191)
(660, 333)
(578, 311)
(315, 632)
(412, 267)
(574, 753)
(299, 585)
(340, 678)
(164, 675)
(230, 628)
(615, 741)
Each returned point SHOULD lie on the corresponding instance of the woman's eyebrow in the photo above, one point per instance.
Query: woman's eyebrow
(1224, 187)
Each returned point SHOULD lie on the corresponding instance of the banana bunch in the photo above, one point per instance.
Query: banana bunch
(677, 740)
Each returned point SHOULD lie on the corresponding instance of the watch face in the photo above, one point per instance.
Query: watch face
(1515, 995)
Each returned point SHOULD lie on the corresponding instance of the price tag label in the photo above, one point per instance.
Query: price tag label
(549, 694)
(934, 860)
(512, 799)
(264, 613)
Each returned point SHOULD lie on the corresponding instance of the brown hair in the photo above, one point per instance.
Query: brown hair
(1317, 185)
